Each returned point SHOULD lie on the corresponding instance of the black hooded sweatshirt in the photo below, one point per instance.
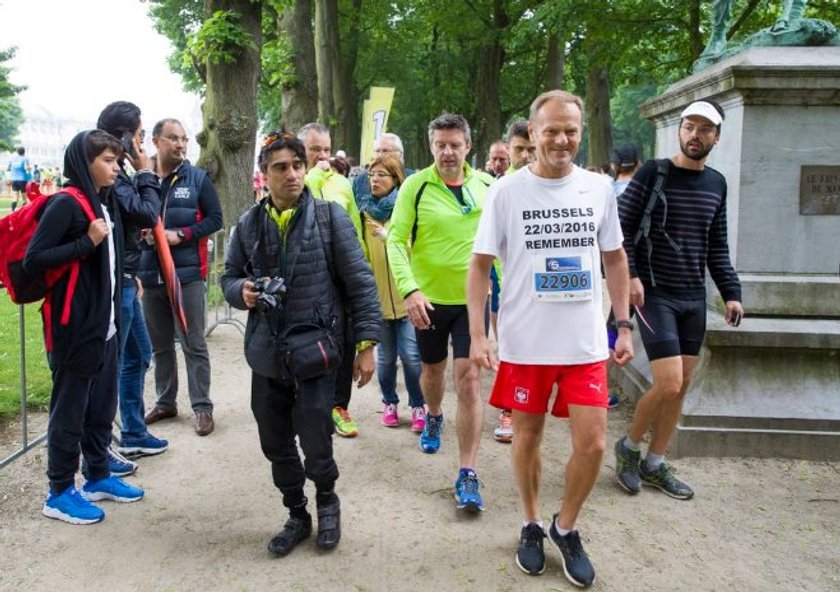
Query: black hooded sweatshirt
(61, 237)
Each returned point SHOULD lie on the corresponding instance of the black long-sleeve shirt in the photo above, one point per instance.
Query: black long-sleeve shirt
(695, 221)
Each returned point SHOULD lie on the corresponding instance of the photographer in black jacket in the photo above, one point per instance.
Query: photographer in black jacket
(312, 245)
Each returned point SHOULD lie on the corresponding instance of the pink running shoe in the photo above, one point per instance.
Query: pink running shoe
(390, 419)
(418, 419)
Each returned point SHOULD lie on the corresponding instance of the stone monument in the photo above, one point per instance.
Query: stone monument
(772, 386)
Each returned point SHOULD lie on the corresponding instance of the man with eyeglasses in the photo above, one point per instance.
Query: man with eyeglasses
(668, 287)
(327, 184)
(429, 245)
(191, 212)
(384, 145)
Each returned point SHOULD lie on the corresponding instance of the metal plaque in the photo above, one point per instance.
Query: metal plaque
(819, 191)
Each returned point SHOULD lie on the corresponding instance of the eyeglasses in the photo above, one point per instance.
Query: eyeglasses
(175, 139)
(276, 136)
(378, 175)
(705, 130)
(386, 150)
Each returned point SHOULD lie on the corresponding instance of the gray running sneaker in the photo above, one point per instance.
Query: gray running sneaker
(627, 467)
(664, 480)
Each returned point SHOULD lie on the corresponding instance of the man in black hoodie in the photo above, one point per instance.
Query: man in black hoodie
(82, 345)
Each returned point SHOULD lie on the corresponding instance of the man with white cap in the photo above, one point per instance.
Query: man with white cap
(668, 249)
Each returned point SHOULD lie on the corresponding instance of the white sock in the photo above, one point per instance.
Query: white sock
(630, 444)
(561, 531)
(652, 461)
(537, 522)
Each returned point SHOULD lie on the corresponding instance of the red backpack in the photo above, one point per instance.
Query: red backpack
(16, 232)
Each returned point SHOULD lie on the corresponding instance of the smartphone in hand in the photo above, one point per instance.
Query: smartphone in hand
(127, 142)
(735, 319)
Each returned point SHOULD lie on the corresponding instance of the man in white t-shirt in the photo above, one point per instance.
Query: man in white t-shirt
(550, 223)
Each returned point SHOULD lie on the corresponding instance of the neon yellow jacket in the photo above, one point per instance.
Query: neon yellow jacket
(439, 258)
(332, 186)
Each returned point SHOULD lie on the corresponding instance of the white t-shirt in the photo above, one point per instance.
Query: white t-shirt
(549, 234)
(112, 258)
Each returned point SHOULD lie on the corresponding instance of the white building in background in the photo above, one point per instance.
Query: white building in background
(45, 136)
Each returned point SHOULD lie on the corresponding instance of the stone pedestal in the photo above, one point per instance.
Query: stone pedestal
(772, 386)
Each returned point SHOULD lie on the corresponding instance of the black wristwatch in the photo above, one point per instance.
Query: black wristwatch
(625, 325)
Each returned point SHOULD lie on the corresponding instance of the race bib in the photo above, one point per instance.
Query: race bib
(563, 278)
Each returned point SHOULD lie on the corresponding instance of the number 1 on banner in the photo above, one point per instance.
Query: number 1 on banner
(378, 123)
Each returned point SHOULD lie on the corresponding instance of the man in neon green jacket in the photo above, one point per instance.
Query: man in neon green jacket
(437, 212)
(325, 183)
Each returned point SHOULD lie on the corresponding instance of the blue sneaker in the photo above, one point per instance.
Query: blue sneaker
(430, 438)
(118, 465)
(613, 402)
(148, 446)
(70, 506)
(111, 488)
(467, 496)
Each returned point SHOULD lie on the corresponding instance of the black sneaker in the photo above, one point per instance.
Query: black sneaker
(627, 467)
(664, 480)
(530, 556)
(329, 525)
(576, 564)
(294, 531)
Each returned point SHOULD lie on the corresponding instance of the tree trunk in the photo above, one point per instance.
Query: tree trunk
(555, 62)
(299, 97)
(230, 115)
(348, 133)
(598, 117)
(326, 55)
(695, 35)
(488, 109)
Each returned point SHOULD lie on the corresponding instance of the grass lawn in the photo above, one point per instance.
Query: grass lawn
(38, 378)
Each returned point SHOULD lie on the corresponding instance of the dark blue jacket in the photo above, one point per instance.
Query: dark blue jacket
(191, 205)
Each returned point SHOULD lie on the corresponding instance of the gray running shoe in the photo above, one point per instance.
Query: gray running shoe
(627, 467)
(664, 480)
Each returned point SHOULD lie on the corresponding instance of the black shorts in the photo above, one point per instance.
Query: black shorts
(446, 320)
(18, 185)
(677, 327)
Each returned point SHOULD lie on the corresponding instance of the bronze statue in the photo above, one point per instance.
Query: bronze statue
(790, 29)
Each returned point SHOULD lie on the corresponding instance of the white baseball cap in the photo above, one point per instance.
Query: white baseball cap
(702, 109)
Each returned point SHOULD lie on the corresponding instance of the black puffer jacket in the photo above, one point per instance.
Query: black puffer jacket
(256, 251)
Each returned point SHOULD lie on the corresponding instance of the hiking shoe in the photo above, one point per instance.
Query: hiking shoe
(430, 438)
(344, 425)
(70, 506)
(118, 465)
(627, 467)
(148, 446)
(390, 419)
(467, 496)
(530, 556)
(576, 564)
(613, 402)
(294, 531)
(418, 419)
(504, 428)
(111, 488)
(664, 480)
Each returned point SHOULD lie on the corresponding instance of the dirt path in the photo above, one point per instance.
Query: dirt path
(210, 508)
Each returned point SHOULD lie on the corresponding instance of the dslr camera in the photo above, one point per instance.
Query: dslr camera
(272, 293)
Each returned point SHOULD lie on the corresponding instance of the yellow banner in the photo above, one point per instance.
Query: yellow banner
(374, 120)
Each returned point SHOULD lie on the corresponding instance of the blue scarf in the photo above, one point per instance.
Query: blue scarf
(379, 209)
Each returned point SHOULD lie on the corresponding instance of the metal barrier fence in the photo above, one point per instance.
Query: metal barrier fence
(221, 315)
(25, 444)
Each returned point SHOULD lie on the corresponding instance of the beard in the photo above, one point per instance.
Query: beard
(697, 154)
